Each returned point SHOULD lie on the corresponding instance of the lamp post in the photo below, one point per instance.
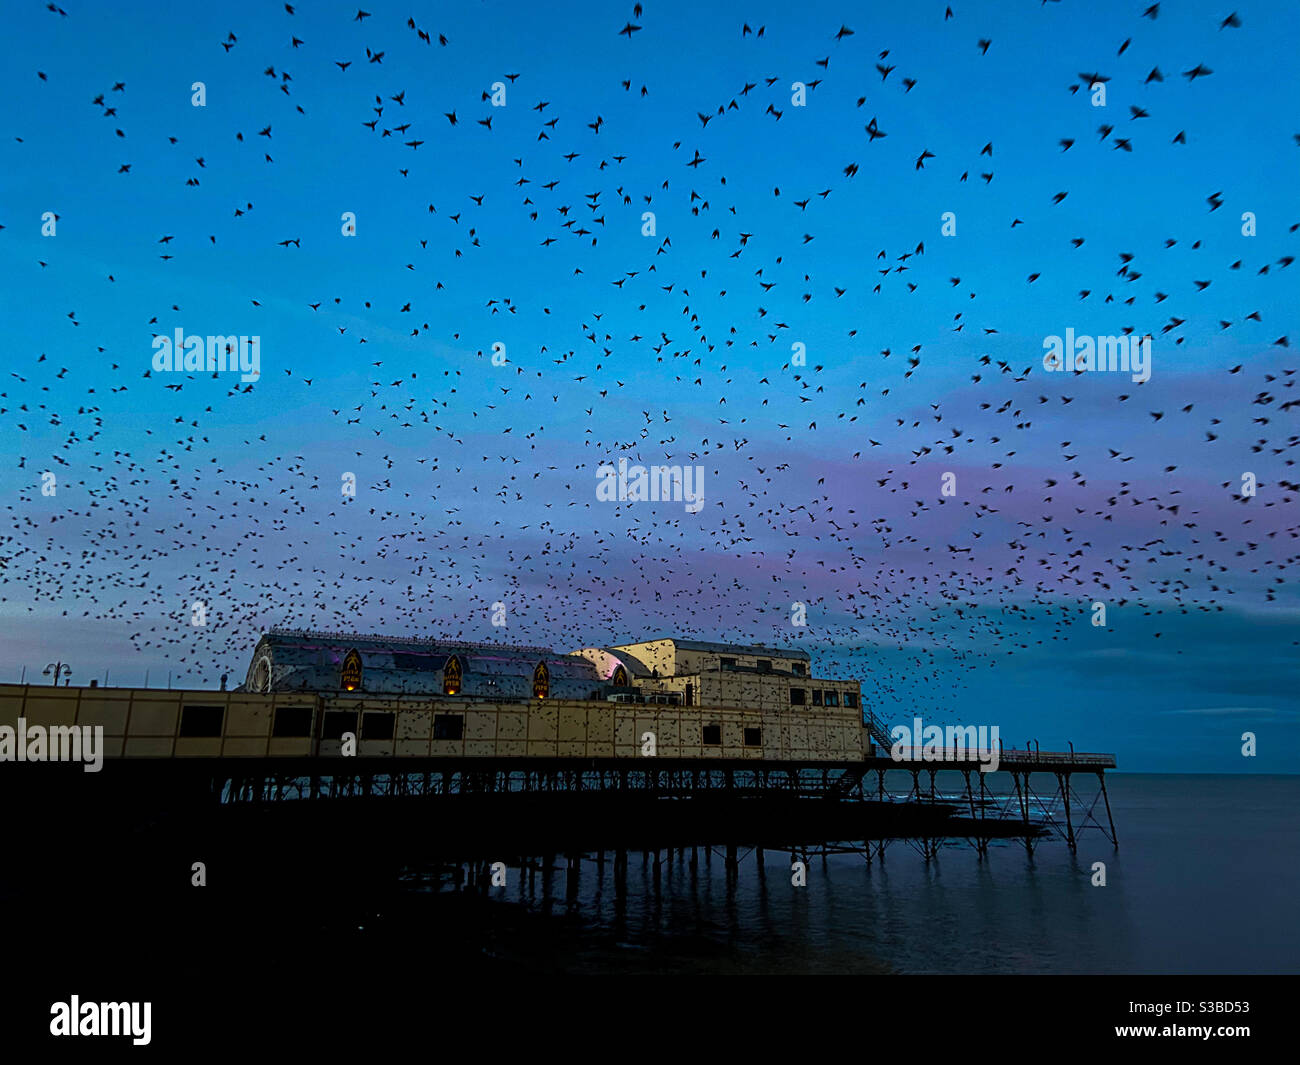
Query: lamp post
(57, 670)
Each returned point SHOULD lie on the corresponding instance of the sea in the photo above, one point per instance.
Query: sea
(1203, 884)
(1204, 881)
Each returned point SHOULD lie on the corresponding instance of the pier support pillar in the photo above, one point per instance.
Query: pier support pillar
(1101, 777)
(1022, 794)
(1064, 779)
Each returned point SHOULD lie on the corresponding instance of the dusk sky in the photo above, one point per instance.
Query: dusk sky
(823, 476)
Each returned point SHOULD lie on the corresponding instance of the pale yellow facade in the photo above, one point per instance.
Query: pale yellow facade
(722, 675)
(149, 723)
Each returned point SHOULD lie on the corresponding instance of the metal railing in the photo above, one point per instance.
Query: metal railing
(407, 641)
(971, 754)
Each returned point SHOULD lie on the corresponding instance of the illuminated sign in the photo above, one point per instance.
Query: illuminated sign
(451, 675)
(350, 675)
(541, 681)
(619, 679)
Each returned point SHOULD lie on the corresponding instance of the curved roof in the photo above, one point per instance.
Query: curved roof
(377, 641)
(295, 659)
(608, 659)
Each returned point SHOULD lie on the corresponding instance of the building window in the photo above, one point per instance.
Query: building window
(712, 735)
(377, 725)
(753, 737)
(448, 726)
(832, 698)
(727, 663)
(261, 681)
(765, 665)
(799, 669)
(202, 721)
(292, 722)
(350, 674)
(690, 695)
(798, 696)
(851, 700)
(817, 697)
(451, 676)
(337, 722)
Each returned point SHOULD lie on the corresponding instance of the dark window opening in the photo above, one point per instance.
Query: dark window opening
(753, 737)
(832, 699)
(378, 725)
(798, 696)
(851, 700)
(202, 720)
(765, 665)
(799, 669)
(292, 721)
(712, 735)
(690, 695)
(448, 727)
(817, 697)
(728, 663)
(338, 722)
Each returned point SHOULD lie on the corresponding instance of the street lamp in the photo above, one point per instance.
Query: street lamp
(58, 669)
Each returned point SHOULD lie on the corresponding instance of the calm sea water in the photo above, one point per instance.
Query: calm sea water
(1205, 881)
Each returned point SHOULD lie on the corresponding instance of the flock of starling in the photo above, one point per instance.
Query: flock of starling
(623, 264)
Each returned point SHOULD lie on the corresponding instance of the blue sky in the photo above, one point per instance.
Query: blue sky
(476, 483)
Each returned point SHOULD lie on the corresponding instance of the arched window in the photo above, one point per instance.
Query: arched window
(451, 676)
(541, 681)
(350, 674)
(261, 681)
(619, 679)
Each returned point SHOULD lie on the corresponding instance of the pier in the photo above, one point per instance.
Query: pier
(451, 818)
(360, 753)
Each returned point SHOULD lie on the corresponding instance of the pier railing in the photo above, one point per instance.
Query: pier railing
(1014, 757)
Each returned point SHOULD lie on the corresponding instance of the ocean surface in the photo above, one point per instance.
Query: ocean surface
(1205, 880)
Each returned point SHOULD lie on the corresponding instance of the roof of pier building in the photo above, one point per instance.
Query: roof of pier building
(667, 656)
(305, 660)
